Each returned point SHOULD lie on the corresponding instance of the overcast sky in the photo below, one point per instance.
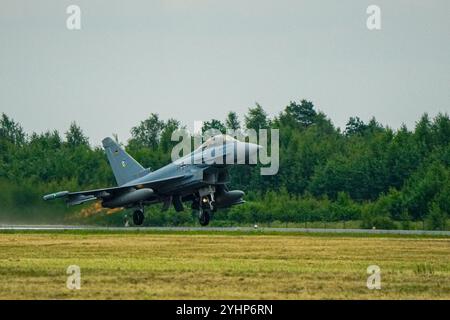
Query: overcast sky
(198, 59)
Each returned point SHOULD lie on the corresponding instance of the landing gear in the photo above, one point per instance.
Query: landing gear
(205, 206)
(203, 217)
(138, 217)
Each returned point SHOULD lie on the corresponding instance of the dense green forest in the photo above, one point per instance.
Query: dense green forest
(366, 175)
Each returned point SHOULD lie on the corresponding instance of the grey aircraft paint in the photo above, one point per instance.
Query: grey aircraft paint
(198, 178)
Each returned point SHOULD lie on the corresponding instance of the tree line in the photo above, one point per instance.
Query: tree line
(366, 175)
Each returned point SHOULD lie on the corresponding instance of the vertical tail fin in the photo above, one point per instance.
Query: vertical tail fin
(124, 167)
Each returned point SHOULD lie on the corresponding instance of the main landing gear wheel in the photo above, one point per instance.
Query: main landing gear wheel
(203, 217)
(138, 217)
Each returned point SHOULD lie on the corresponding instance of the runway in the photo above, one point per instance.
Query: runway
(219, 229)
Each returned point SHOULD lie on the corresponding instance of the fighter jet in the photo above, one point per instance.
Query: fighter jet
(200, 178)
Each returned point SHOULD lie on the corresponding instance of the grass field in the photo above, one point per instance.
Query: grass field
(221, 266)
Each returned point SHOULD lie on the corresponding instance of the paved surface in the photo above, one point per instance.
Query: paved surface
(229, 229)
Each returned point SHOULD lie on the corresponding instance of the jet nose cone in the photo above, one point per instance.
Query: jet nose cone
(252, 149)
(246, 153)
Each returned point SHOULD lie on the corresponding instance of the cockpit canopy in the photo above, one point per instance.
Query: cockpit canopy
(216, 141)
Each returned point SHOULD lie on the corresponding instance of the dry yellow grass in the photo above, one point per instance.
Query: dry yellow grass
(186, 266)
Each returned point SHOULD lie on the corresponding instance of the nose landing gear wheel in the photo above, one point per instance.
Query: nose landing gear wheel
(138, 217)
(203, 217)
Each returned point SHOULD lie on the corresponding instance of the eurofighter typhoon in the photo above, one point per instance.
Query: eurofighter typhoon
(200, 178)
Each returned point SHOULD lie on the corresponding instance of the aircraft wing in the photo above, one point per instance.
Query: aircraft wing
(79, 197)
